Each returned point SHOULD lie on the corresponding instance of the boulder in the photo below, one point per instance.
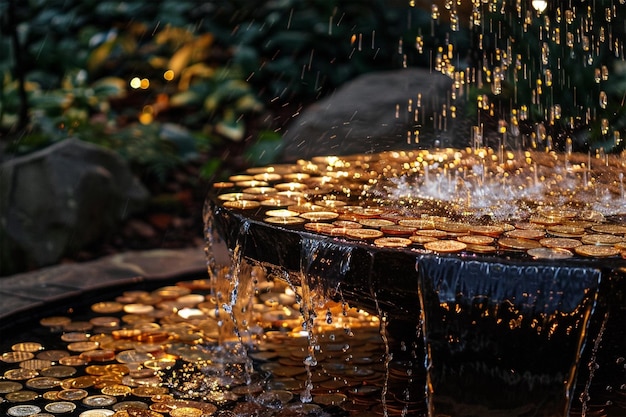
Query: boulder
(62, 198)
(377, 112)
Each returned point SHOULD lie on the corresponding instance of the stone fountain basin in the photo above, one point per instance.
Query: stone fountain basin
(378, 278)
(505, 331)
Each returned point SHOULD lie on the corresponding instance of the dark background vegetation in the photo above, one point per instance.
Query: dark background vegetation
(242, 71)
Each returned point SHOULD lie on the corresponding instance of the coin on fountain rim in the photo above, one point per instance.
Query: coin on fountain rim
(549, 253)
(235, 196)
(318, 227)
(242, 204)
(23, 410)
(445, 246)
(518, 244)
(533, 234)
(285, 221)
(601, 239)
(563, 230)
(417, 223)
(476, 239)
(392, 242)
(43, 382)
(613, 229)
(364, 233)
(596, 251)
(376, 223)
(481, 248)
(420, 239)
(439, 234)
(60, 407)
(259, 190)
(316, 216)
(397, 230)
(82, 346)
(560, 242)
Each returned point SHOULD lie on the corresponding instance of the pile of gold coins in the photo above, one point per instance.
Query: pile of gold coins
(160, 353)
(342, 198)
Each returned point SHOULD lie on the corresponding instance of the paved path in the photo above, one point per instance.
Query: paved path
(32, 290)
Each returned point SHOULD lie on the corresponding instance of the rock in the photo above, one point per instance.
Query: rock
(373, 113)
(60, 199)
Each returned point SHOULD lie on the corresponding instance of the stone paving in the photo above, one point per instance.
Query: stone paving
(32, 290)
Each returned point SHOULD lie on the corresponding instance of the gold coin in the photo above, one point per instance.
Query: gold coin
(72, 361)
(284, 220)
(107, 307)
(476, 239)
(186, 412)
(235, 197)
(21, 396)
(78, 326)
(375, 223)
(452, 227)
(55, 321)
(9, 386)
(525, 234)
(50, 395)
(445, 246)
(149, 391)
(546, 221)
(364, 234)
(98, 413)
(613, 229)
(487, 230)
(85, 381)
(117, 390)
(82, 346)
(316, 227)
(560, 242)
(347, 224)
(596, 251)
(291, 186)
(240, 177)
(316, 216)
(27, 347)
(601, 239)
(417, 223)
(420, 240)
(35, 364)
(392, 242)
(439, 234)
(276, 201)
(517, 243)
(397, 230)
(72, 394)
(481, 248)
(20, 374)
(268, 176)
(98, 355)
(52, 355)
(16, 356)
(261, 188)
(75, 337)
(566, 231)
(138, 309)
(58, 371)
(223, 184)
(242, 204)
(281, 213)
(550, 253)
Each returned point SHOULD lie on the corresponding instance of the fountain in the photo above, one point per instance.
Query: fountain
(503, 258)
(485, 279)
